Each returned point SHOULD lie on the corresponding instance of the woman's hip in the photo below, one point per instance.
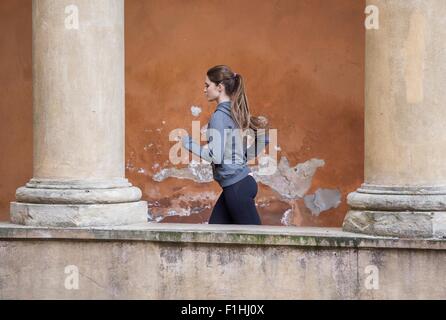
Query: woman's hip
(246, 187)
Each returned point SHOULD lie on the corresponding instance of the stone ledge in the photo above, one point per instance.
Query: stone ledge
(78, 215)
(220, 234)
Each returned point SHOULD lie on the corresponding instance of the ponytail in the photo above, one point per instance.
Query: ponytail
(235, 87)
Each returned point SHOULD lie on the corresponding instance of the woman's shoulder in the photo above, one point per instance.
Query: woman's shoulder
(219, 116)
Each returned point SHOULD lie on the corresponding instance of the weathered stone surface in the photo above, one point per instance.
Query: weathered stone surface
(78, 196)
(78, 111)
(396, 224)
(79, 215)
(65, 183)
(168, 261)
(404, 193)
(397, 202)
(415, 212)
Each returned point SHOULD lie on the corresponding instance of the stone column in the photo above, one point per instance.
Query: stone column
(404, 193)
(78, 105)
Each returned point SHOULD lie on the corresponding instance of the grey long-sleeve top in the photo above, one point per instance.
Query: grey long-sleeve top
(228, 160)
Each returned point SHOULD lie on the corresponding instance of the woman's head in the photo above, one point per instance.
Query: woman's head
(220, 82)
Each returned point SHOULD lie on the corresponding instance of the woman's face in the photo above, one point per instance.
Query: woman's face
(211, 91)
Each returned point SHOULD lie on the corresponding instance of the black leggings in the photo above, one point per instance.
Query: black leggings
(236, 204)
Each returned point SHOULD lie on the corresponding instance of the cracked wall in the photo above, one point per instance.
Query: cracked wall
(310, 87)
(290, 183)
(315, 100)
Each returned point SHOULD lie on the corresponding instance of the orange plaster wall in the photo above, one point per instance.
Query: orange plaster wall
(16, 145)
(303, 61)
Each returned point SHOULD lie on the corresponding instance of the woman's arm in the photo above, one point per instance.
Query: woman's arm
(216, 144)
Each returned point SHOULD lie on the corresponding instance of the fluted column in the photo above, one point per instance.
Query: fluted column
(404, 193)
(78, 105)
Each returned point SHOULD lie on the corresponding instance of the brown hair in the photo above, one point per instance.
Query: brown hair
(235, 88)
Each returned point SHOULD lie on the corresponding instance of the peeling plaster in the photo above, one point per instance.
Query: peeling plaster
(129, 166)
(155, 166)
(148, 146)
(286, 218)
(322, 200)
(290, 182)
(157, 219)
(263, 204)
(183, 205)
(195, 111)
(198, 172)
(183, 212)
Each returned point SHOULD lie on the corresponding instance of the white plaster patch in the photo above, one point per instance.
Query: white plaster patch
(198, 172)
(291, 183)
(155, 166)
(195, 111)
(286, 218)
(322, 200)
(129, 166)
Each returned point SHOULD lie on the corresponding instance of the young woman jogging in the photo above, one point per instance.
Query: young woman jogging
(226, 149)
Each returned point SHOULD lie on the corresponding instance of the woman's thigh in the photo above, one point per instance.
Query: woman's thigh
(239, 200)
(220, 213)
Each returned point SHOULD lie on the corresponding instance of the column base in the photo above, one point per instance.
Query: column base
(393, 211)
(403, 224)
(79, 215)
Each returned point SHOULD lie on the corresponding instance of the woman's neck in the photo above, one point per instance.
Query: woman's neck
(223, 99)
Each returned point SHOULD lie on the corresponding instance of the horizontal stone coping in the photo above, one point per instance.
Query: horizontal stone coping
(219, 234)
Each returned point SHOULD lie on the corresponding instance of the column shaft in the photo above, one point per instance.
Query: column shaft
(404, 193)
(78, 105)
